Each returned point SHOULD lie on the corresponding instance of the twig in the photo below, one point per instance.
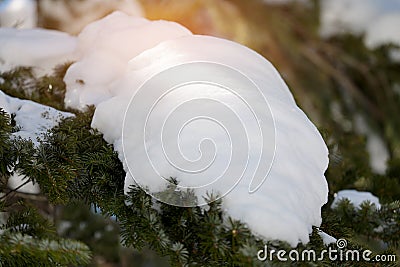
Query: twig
(341, 79)
(14, 190)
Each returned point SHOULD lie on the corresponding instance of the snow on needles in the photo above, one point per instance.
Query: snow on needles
(356, 198)
(33, 121)
(119, 54)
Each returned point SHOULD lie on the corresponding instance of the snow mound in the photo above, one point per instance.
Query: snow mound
(104, 48)
(378, 20)
(38, 48)
(118, 56)
(356, 198)
(288, 203)
(33, 121)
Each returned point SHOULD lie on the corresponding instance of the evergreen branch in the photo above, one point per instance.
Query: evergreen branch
(24, 250)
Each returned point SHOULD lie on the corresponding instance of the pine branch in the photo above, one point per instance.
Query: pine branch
(24, 250)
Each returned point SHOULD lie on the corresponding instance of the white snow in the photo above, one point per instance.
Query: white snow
(38, 48)
(18, 13)
(105, 47)
(377, 149)
(377, 19)
(356, 198)
(33, 120)
(289, 202)
(385, 30)
(117, 54)
(16, 180)
(327, 239)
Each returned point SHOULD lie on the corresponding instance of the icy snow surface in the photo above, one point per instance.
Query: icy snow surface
(378, 19)
(356, 198)
(33, 120)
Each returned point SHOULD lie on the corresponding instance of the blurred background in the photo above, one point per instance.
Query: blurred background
(340, 59)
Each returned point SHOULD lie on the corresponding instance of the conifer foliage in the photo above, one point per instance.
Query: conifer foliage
(27, 237)
(73, 163)
(77, 170)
